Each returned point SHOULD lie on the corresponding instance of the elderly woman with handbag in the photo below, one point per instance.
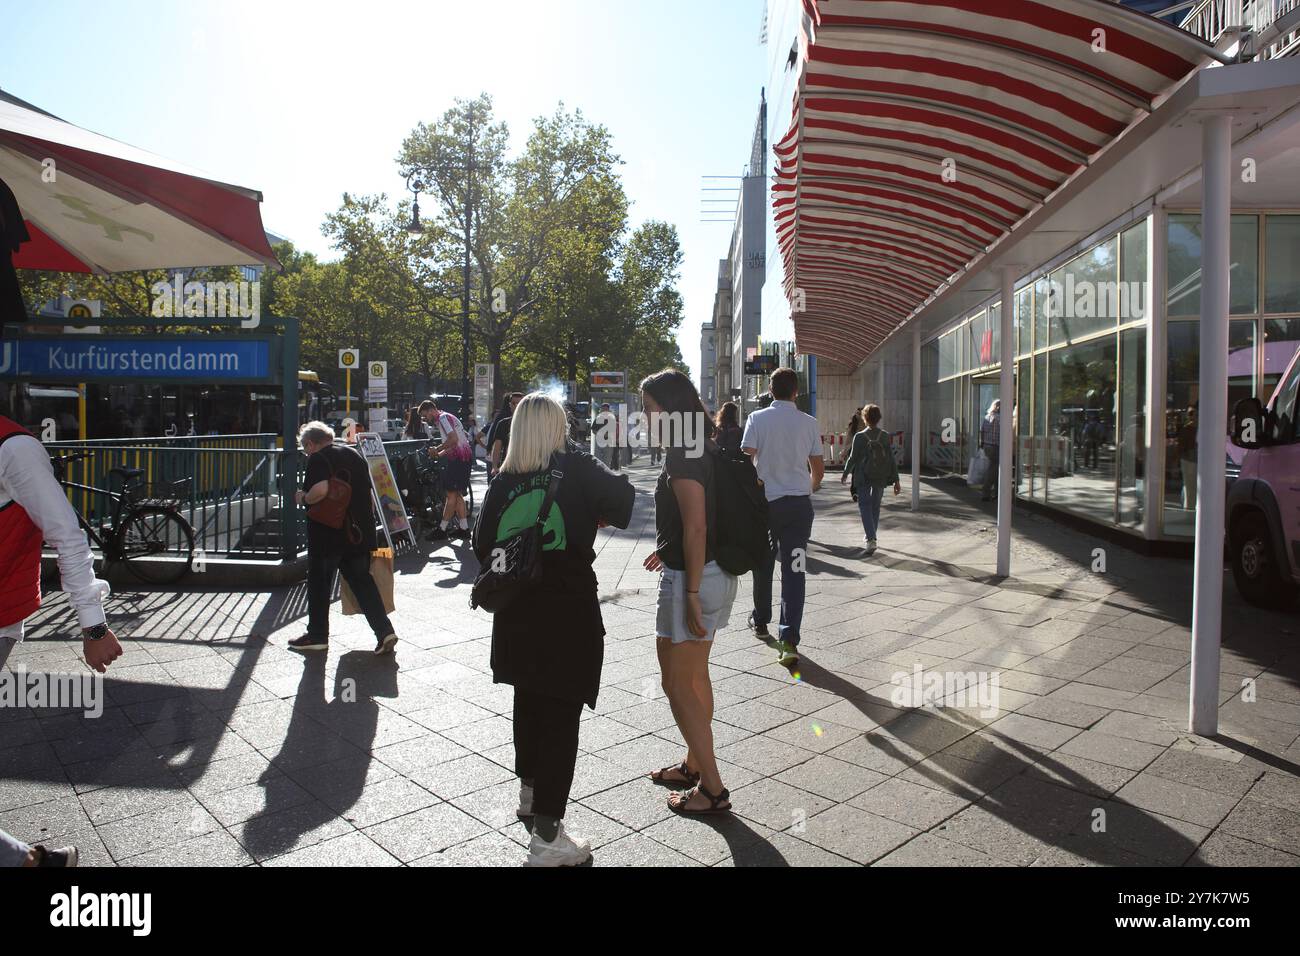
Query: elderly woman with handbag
(340, 537)
(534, 540)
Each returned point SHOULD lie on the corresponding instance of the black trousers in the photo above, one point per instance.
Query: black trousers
(355, 568)
(546, 748)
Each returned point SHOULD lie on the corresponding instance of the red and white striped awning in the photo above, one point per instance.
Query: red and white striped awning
(925, 130)
(94, 204)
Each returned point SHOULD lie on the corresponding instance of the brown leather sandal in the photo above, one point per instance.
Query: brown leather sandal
(689, 777)
(678, 801)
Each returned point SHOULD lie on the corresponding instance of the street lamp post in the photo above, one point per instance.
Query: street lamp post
(416, 185)
(464, 315)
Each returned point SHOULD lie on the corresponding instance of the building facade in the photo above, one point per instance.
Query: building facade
(1106, 290)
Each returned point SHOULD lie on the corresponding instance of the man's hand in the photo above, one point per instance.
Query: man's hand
(844, 477)
(898, 488)
(300, 496)
(653, 563)
(99, 654)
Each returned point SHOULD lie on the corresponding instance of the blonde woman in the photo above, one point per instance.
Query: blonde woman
(549, 643)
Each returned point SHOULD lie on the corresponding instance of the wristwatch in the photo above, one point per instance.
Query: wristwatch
(96, 633)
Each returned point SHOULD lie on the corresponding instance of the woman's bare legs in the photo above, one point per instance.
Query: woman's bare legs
(686, 681)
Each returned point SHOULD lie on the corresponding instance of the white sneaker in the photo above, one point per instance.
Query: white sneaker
(525, 801)
(464, 524)
(870, 548)
(564, 850)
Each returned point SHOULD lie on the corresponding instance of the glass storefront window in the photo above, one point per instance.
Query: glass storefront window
(1135, 296)
(1281, 339)
(979, 350)
(1082, 412)
(948, 348)
(1024, 321)
(1181, 418)
(1024, 441)
(1041, 288)
(1282, 264)
(1130, 429)
(1038, 466)
(1241, 361)
(1086, 297)
(1184, 266)
(995, 335)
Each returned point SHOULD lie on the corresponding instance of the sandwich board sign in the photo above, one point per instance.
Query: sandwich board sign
(392, 513)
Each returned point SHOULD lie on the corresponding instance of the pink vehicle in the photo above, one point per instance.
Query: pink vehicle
(1263, 504)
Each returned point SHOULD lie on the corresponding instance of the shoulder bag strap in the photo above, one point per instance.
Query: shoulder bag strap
(552, 486)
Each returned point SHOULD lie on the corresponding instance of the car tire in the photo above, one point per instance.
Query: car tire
(1255, 569)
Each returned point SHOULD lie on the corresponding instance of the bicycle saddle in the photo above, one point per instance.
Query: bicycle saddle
(126, 473)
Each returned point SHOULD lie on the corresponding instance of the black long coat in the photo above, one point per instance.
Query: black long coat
(552, 640)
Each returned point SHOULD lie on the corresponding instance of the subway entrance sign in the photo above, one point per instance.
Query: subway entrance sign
(234, 360)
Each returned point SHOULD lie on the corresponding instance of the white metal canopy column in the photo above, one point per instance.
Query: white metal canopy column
(1006, 401)
(917, 449)
(1207, 599)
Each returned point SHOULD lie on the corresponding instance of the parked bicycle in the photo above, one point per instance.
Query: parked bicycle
(429, 472)
(143, 529)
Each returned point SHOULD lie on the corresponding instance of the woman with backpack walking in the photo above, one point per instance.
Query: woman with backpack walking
(872, 468)
(726, 425)
(695, 592)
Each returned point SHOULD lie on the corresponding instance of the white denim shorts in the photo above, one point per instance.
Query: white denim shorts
(717, 593)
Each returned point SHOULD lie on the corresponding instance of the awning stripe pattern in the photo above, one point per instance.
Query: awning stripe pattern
(925, 130)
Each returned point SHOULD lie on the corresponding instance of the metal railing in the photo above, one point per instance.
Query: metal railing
(1211, 19)
(240, 499)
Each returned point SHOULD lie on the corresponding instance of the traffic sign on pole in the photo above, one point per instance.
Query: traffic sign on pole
(378, 382)
(348, 360)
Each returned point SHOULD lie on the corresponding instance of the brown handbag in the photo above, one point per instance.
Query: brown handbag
(332, 510)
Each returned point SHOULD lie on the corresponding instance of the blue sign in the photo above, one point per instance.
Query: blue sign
(87, 358)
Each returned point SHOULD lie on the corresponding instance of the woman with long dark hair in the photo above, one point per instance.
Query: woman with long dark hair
(726, 424)
(415, 427)
(695, 594)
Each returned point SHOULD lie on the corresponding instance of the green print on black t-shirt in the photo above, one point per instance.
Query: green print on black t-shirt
(522, 506)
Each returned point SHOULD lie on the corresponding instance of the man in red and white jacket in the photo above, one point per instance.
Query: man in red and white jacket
(33, 508)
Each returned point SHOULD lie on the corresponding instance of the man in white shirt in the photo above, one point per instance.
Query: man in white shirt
(786, 446)
(33, 507)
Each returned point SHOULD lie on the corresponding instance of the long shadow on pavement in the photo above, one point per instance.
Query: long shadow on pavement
(988, 770)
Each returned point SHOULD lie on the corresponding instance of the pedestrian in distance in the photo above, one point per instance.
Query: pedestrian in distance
(456, 453)
(695, 593)
(548, 643)
(786, 446)
(727, 425)
(416, 429)
(340, 537)
(990, 437)
(35, 508)
(498, 439)
(872, 468)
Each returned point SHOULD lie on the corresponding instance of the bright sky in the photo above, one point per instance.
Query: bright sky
(305, 101)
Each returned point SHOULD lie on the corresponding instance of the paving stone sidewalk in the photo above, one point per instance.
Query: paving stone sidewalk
(219, 746)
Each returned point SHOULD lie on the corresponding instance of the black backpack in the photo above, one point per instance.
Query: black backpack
(521, 556)
(741, 537)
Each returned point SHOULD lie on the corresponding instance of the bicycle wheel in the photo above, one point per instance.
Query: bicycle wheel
(156, 545)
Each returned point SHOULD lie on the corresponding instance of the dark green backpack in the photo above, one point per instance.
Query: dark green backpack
(878, 468)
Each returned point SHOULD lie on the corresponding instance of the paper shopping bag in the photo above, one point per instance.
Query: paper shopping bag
(381, 570)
